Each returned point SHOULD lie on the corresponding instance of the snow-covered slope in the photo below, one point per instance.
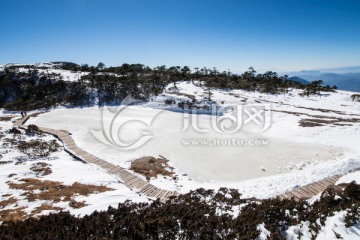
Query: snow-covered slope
(45, 69)
(16, 166)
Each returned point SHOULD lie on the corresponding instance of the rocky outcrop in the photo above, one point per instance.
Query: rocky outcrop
(151, 167)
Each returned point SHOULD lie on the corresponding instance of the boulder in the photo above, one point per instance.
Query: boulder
(151, 166)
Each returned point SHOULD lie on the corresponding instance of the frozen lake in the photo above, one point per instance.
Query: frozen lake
(203, 163)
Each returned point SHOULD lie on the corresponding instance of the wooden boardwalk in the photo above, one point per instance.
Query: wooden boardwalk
(129, 179)
(147, 189)
(311, 189)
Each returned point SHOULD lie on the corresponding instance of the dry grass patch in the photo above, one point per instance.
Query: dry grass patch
(319, 120)
(41, 169)
(45, 207)
(315, 122)
(16, 214)
(35, 189)
(6, 195)
(76, 204)
(54, 191)
(7, 202)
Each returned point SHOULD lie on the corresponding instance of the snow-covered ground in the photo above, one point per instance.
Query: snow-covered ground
(66, 170)
(292, 155)
(45, 69)
(287, 156)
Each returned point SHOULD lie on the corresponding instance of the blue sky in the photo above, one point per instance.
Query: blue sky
(274, 35)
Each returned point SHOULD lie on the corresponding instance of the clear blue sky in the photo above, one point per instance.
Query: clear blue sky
(274, 35)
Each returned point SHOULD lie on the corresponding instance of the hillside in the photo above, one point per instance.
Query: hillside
(286, 135)
(344, 81)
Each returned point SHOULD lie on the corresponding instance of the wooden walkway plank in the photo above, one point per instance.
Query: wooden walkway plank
(311, 189)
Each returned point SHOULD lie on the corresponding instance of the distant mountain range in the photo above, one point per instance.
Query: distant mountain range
(299, 79)
(349, 81)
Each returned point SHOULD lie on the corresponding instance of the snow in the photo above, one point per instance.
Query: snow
(264, 233)
(336, 224)
(295, 156)
(46, 68)
(66, 75)
(66, 170)
(300, 231)
(355, 176)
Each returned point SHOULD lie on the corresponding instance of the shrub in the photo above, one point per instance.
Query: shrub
(38, 148)
(33, 130)
(14, 131)
(41, 169)
(355, 97)
(200, 214)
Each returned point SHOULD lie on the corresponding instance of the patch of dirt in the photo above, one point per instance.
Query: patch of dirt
(35, 189)
(41, 169)
(151, 167)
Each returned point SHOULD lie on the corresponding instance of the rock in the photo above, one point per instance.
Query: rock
(150, 166)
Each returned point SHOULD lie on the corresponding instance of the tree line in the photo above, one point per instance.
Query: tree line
(99, 85)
